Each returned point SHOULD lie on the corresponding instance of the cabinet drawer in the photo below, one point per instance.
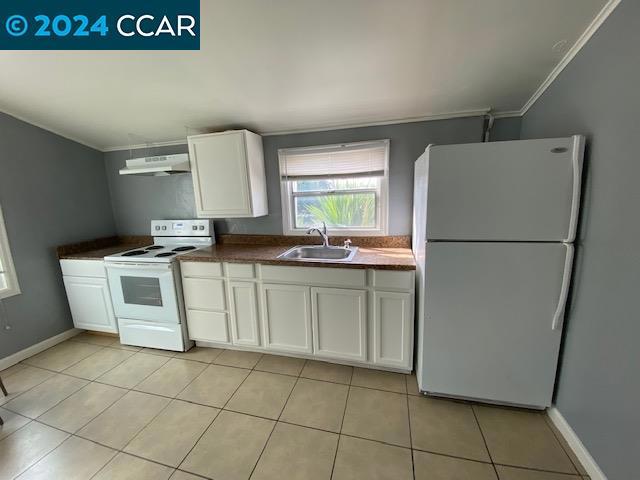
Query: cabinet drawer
(83, 268)
(204, 293)
(393, 280)
(334, 277)
(208, 326)
(240, 270)
(201, 269)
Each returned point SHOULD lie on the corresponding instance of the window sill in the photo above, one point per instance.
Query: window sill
(9, 293)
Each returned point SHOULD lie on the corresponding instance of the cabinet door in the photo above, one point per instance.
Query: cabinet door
(208, 326)
(287, 318)
(392, 329)
(243, 303)
(219, 172)
(90, 303)
(339, 323)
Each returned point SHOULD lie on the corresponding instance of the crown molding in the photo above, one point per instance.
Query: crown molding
(573, 51)
(325, 128)
(51, 130)
(138, 146)
(344, 126)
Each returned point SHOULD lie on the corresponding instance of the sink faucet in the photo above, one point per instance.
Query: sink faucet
(322, 232)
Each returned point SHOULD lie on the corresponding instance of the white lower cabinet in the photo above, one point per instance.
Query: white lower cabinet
(343, 315)
(339, 323)
(90, 303)
(243, 303)
(392, 329)
(286, 317)
(208, 326)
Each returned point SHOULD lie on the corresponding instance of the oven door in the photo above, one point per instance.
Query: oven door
(144, 291)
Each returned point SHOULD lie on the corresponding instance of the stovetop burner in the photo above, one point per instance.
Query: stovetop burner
(154, 247)
(133, 253)
(184, 249)
(165, 254)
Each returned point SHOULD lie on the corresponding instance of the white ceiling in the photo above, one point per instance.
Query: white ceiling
(286, 65)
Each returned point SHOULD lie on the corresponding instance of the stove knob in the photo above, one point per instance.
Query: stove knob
(164, 227)
(195, 227)
(201, 227)
(157, 227)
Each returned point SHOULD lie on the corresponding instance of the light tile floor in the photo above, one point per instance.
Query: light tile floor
(90, 408)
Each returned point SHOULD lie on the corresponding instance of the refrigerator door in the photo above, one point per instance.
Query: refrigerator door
(492, 320)
(524, 190)
(418, 239)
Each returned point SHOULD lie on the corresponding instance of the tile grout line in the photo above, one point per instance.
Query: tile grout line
(275, 424)
(53, 406)
(413, 465)
(99, 383)
(226, 409)
(103, 373)
(534, 469)
(553, 431)
(344, 412)
(486, 445)
(220, 410)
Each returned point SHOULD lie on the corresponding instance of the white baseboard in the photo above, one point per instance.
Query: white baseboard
(7, 362)
(576, 444)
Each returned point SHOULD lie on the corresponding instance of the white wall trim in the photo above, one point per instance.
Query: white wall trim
(344, 126)
(139, 146)
(507, 114)
(573, 51)
(327, 128)
(576, 444)
(51, 130)
(6, 362)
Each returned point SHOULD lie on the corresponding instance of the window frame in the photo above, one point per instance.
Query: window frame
(288, 196)
(6, 259)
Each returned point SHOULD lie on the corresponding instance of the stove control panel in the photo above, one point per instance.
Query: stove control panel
(182, 228)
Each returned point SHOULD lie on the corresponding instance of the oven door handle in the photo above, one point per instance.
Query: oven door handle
(139, 266)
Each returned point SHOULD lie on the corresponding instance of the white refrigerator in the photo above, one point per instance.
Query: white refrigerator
(493, 231)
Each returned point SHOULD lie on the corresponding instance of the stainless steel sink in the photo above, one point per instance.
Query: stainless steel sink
(319, 253)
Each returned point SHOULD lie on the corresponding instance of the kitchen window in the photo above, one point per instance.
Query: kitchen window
(344, 185)
(8, 280)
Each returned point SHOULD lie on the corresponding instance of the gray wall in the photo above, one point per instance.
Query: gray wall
(506, 129)
(137, 200)
(598, 389)
(52, 191)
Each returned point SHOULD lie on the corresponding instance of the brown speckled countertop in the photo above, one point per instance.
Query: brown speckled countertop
(385, 253)
(367, 257)
(101, 247)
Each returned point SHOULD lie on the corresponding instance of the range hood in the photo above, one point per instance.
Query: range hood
(158, 165)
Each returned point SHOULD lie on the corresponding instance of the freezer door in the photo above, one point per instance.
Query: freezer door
(492, 321)
(524, 190)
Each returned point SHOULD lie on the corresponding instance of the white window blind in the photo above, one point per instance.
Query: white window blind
(362, 159)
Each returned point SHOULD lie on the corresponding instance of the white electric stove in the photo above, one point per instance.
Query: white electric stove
(146, 288)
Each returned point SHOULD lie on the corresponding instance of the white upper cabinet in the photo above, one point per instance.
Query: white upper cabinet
(228, 174)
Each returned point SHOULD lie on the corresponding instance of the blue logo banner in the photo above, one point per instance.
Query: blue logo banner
(100, 25)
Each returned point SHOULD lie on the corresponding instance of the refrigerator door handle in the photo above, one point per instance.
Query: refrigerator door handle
(576, 160)
(558, 316)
